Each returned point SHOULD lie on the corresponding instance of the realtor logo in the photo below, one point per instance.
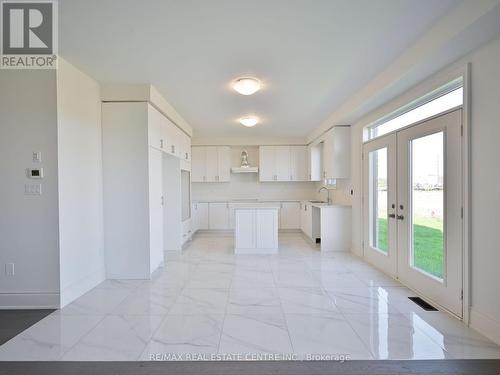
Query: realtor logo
(29, 35)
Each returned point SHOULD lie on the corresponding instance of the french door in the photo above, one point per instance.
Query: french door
(413, 207)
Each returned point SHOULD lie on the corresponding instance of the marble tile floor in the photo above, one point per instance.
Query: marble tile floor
(207, 303)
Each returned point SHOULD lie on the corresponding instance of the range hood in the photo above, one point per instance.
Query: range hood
(244, 170)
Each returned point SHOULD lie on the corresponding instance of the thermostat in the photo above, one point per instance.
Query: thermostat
(35, 172)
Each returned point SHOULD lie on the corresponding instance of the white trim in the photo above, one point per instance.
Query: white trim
(486, 325)
(44, 300)
(82, 286)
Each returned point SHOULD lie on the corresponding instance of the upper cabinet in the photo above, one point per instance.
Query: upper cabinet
(211, 163)
(282, 163)
(167, 137)
(337, 153)
(314, 162)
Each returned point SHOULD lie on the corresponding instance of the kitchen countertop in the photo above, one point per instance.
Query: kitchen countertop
(259, 202)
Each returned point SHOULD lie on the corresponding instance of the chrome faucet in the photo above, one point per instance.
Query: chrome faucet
(329, 201)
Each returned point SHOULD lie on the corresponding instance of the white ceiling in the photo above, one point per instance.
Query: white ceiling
(311, 55)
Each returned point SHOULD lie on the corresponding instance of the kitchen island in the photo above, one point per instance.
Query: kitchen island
(256, 229)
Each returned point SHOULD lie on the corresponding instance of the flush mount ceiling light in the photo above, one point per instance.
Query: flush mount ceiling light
(246, 85)
(249, 121)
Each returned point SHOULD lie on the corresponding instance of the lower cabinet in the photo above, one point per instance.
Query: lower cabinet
(290, 215)
(200, 216)
(218, 213)
(306, 219)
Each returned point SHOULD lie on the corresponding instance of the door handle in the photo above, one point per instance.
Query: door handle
(392, 216)
(400, 217)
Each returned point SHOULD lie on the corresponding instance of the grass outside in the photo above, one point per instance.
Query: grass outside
(427, 243)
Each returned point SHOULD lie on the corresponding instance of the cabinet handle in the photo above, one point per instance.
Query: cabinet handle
(161, 143)
(204, 178)
(400, 217)
(173, 149)
(186, 156)
(310, 177)
(291, 178)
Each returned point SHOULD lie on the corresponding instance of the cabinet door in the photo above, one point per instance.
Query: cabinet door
(266, 222)
(199, 164)
(224, 163)
(298, 163)
(282, 157)
(314, 162)
(155, 138)
(266, 163)
(245, 229)
(185, 147)
(218, 215)
(337, 153)
(167, 134)
(212, 162)
(202, 213)
(308, 220)
(155, 208)
(290, 215)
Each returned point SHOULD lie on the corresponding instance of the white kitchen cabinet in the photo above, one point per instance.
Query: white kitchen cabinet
(200, 216)
(155, 124)
(211, 163)
(298, 163)
(306, 219)
(266, 227)
(290, 214)
(283, 163)
(198, 164)
(337, 153)
(218, 213)
(282, 155)
(314, 162)
(155, 207)
(256, 230)
(274, 163)
(224, 163)
(267, 163)
(132, 190)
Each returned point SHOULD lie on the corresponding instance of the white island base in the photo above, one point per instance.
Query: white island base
(256, 230)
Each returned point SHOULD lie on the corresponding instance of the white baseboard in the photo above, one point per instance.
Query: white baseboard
(82, 286)
(486, 325)
(30, 301)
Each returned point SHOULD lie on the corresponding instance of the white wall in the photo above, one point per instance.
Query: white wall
(485, 181)
(80, 182)
(248, 186)
(28, 224)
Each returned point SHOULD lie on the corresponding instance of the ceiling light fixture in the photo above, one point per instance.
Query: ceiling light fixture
(247, 85)
(249, 121)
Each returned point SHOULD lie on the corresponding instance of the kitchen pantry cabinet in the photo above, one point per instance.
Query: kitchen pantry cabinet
(337, 153)
(282, 163)
(211, 163)
(314, 162)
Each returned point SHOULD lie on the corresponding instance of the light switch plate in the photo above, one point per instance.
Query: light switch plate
(37, 156)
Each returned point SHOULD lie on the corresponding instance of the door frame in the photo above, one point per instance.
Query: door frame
(425, 87)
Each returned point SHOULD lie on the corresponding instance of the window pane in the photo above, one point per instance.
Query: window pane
(378, 199)
(427, 204)
(443, 103)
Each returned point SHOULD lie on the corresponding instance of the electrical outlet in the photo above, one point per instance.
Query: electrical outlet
(9, 269)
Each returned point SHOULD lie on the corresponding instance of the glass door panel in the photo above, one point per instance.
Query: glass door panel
(427, 204)
(378, 199)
